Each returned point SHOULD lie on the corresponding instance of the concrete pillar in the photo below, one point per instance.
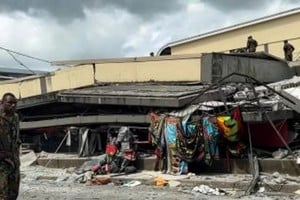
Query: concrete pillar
(266, 48)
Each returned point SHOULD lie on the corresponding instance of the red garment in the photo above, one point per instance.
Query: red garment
(237, 115)
(263, 135)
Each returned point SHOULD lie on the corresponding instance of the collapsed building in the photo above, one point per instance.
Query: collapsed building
(88, 105)
(76, 109)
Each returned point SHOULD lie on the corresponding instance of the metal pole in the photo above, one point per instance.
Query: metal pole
(279, 135)
(57, 148)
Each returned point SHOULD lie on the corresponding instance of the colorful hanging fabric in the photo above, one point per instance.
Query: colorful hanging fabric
(156, 127)
(211, 134)
(170, 135)
(188, 139)
(237, 115)
(228, 128)
(181, 141)
(156, 130)
(171, 130)
(183, 167)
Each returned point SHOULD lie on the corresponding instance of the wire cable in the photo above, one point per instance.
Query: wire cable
(20, 62)
(22, 54)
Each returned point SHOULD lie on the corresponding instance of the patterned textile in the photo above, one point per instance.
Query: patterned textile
(180, 141)
(156, 127)
(189, 135)
(156, 130)
(228, 127)
(170, 134)
(211, 134)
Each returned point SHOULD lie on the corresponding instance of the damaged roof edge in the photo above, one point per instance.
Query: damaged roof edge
(124, 60)
(259, 54)
(83, 120)
(135, 118)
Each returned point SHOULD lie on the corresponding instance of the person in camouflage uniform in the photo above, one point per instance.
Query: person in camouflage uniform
(288, 50)
(251, 44)
(9, 148)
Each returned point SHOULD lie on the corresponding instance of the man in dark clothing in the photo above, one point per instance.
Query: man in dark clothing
(251, 44)
(288, 50)
(9, 148)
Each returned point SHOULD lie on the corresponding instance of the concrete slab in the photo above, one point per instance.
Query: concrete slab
(160, 95)
(83, 120)
(61, 162)
(236, 166)
(215, 66)
(293, 95)
(28, 159)
(241, 166)
(261, 116)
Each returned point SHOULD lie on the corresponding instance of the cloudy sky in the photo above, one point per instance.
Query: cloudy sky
(89, 29)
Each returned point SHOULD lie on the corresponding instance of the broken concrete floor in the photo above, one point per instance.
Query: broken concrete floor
(39, 182)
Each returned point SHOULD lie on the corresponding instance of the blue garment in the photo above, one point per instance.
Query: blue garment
(183, 167)
(170, 132)
(208, 126)
(188, 129)
(211, 134)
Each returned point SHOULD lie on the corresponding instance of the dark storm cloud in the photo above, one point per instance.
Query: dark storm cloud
(62, 9)
(72, 9)
(146, 8)
(233, 5)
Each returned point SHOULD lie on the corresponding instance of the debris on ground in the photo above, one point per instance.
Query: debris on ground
(132, 183)
(28, 159)
(173, 183)
(280, 153)
(98, 180)
(160, 181)
(40, 180)
(204, 189)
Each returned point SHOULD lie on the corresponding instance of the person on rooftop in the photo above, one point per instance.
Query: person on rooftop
(288, 50)
(251, 44)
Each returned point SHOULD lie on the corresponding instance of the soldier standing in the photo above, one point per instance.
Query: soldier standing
(251, 44)
(288, 50)
(9, 148)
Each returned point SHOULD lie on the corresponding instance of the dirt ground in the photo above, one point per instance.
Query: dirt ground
(45, 183)
(141, 192)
